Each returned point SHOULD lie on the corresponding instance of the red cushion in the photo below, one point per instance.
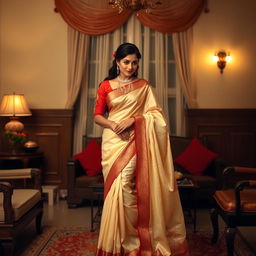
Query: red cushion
(196, 157)
(90, 158)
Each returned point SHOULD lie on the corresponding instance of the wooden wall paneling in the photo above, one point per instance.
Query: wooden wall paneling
(242, 147)
(214, 138)
(231, 132)
(52, 129)
(50, 144)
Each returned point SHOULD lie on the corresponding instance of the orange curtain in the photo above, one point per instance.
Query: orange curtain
(94, 17)
(173, 16)
(91, 17)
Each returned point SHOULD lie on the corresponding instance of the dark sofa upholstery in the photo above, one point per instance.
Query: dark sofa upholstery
(211, 179)
(78, 181)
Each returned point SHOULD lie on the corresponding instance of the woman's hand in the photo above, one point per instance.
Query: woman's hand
(113, 126)
(125, 135)
(121, 129)
(123, 125)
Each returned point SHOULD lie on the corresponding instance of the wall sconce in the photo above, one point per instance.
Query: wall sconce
(221, 58)
(14, 106)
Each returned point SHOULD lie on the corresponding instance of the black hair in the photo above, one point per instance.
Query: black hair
(122, 51)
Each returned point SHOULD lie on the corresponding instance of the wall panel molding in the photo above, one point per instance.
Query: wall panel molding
(52, 129)
(231, 132)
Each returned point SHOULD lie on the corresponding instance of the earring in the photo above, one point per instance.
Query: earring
(117, 70)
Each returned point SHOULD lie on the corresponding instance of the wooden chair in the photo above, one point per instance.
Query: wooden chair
(18, 205)
(235, 204)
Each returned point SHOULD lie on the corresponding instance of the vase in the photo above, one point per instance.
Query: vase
(15, 148)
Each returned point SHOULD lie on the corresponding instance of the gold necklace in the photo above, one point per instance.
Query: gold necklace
(123, 81)
(124, 88)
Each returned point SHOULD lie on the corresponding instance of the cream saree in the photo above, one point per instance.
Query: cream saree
(142, 214)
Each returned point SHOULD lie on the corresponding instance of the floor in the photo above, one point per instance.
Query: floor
(60, 215)
(81, 216)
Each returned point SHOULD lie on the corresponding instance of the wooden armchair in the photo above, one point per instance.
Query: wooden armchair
(236, 204)
(20, 202)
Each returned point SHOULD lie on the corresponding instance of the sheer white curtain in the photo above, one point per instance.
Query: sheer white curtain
(77, 56)
(104, 46)
(132, 33)
(143, 41)
(100, 59)
(183, 51)
(161, 69)
(78, 45)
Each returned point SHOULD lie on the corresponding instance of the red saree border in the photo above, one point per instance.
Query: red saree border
(119, 164)
(142, 186)
(117, 93)
(186, 253)
(135, 252)
(100, 252)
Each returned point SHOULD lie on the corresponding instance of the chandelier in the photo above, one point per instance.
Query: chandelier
(135, 5)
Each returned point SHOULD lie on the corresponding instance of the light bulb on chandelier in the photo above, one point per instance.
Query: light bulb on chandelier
(134, 5)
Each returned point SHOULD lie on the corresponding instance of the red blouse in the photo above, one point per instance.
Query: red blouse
(101, 103)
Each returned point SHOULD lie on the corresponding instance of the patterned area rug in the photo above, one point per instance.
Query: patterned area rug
(76, 241)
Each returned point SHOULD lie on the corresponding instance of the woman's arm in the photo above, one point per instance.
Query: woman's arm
(104, 122)
(117, 128)
(123, 125)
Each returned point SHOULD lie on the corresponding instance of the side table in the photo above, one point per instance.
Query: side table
(98, 194)
(53, 193)
(187, 190)
(10, 160)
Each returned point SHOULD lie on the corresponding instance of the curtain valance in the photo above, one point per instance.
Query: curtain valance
(94, 17)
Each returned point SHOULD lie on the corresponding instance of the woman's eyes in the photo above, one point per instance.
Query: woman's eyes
(126, 62)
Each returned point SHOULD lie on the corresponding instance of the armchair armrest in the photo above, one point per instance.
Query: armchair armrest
(240, 186)
(74, 170)
(239, 169)
(71, 173)
(231, 175)
(7, 190)
(25, 173)
(219, 165)
(15, 174)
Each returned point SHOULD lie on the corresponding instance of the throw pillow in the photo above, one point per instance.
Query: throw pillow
(90, 158)
(196, 157)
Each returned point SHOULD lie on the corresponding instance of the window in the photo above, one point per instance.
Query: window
(147, 43)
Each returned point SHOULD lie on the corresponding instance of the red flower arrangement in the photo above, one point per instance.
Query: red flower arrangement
(15, 138)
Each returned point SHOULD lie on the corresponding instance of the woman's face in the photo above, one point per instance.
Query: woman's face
(128, 66)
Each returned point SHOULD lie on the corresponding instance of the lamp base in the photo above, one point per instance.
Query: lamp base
(14, 125)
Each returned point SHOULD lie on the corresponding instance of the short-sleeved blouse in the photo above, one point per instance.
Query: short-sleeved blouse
(101, 103)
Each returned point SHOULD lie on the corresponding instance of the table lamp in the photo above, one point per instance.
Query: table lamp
(14, 106)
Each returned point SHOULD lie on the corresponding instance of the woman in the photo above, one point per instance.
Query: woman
(142, 214)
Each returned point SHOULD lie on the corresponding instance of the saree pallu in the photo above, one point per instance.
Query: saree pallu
(142, 214)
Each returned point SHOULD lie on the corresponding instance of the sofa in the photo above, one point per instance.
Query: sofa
(78, 182)
(210, 179)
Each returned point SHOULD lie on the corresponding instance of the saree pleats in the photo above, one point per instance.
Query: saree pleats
(142, 214)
